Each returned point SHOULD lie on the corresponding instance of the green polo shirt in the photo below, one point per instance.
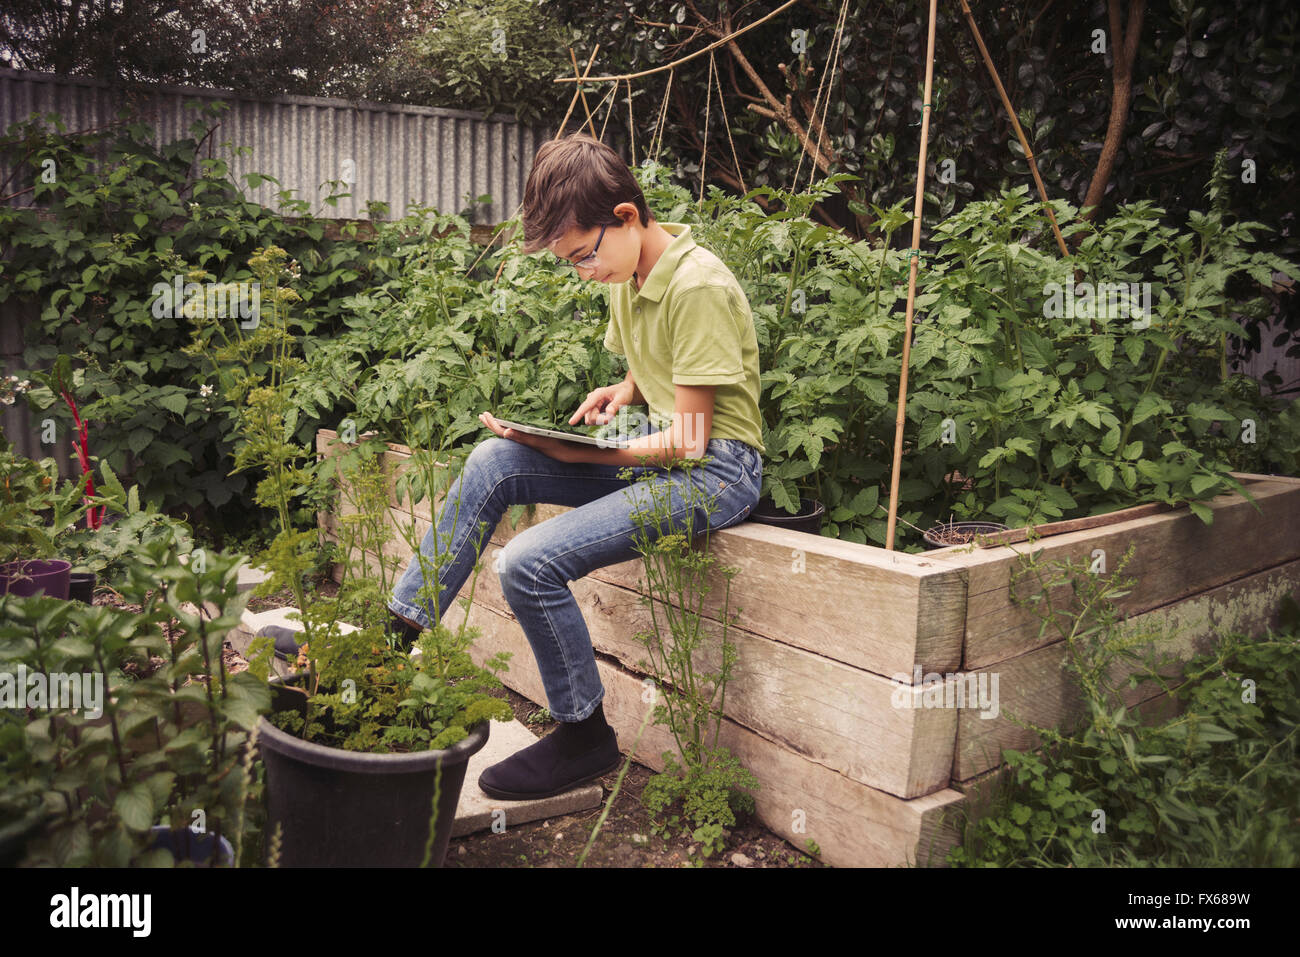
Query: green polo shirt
(690, 324)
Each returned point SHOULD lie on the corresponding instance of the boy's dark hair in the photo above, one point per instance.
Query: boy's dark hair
(575, 183)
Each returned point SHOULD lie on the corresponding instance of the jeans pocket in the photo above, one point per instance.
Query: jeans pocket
(754, 472)
(739, 485)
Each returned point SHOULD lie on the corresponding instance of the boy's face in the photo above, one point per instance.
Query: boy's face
(618, 248)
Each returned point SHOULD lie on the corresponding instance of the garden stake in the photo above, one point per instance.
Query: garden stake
(832, 62)
(1015, 122)
(913, 262)
(591, 123)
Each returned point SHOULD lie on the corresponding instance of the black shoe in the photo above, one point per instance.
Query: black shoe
(551, 766)
(286, 641)
(405, 633)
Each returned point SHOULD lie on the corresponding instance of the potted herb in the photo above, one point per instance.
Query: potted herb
(148, 731)
(367, 745)
(28, 555)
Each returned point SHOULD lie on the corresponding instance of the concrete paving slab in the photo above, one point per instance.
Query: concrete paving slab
(250, 577)
(477, 811)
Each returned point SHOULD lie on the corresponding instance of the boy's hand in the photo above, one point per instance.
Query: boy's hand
(601, 404)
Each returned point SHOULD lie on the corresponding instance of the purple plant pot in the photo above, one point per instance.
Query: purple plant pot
(26, 578)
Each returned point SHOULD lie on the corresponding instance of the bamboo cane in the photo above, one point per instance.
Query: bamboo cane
(913, 260)
(591, 123)
(1015, 122)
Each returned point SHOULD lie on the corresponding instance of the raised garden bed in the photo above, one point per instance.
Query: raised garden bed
(826, 630)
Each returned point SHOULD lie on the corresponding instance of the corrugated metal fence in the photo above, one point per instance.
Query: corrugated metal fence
(387, 152)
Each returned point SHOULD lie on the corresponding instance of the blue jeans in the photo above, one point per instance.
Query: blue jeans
(536, 565)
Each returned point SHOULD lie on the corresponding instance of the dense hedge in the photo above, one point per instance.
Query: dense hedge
(117, 217)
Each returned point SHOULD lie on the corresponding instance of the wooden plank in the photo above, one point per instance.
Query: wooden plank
(881, 611)
(1014, 535)
(877, 610)
(824, 710)
(1176, 556)
(854, 825)
(1034, 687)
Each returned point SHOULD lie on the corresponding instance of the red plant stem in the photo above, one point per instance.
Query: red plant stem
(93, 517)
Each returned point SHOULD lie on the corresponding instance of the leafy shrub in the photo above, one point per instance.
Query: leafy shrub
(119, 217)
(1015, 410)
(170, 747)
(1217, 785)
(1012, 411)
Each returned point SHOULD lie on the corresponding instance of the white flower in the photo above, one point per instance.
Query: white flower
(206, 391)
(24, 385)
(7, 400)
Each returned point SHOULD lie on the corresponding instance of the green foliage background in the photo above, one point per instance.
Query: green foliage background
(1011, 414)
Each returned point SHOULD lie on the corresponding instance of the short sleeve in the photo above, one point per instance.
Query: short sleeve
(613, 342)
(706, 342)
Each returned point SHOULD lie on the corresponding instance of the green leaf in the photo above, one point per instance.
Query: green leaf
(140, 439)
(1133, 348)
(135, 807)
(1147, 406)
(1103, 347)
(174, 402)
(1038, 350)
(110, 483)
(1212, 733)
(1208, 413)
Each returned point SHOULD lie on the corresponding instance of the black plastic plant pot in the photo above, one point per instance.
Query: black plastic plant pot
(338, 808)
(81, 587)
(959, 533)
(187, 845)
(807, 519)
(26, 578)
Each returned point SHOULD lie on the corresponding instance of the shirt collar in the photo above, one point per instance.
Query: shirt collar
(656, 283)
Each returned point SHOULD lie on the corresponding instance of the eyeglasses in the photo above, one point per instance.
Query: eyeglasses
(588, 261)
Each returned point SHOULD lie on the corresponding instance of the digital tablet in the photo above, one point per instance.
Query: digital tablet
(606, 443)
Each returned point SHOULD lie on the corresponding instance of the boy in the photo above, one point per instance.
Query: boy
(680, 317)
